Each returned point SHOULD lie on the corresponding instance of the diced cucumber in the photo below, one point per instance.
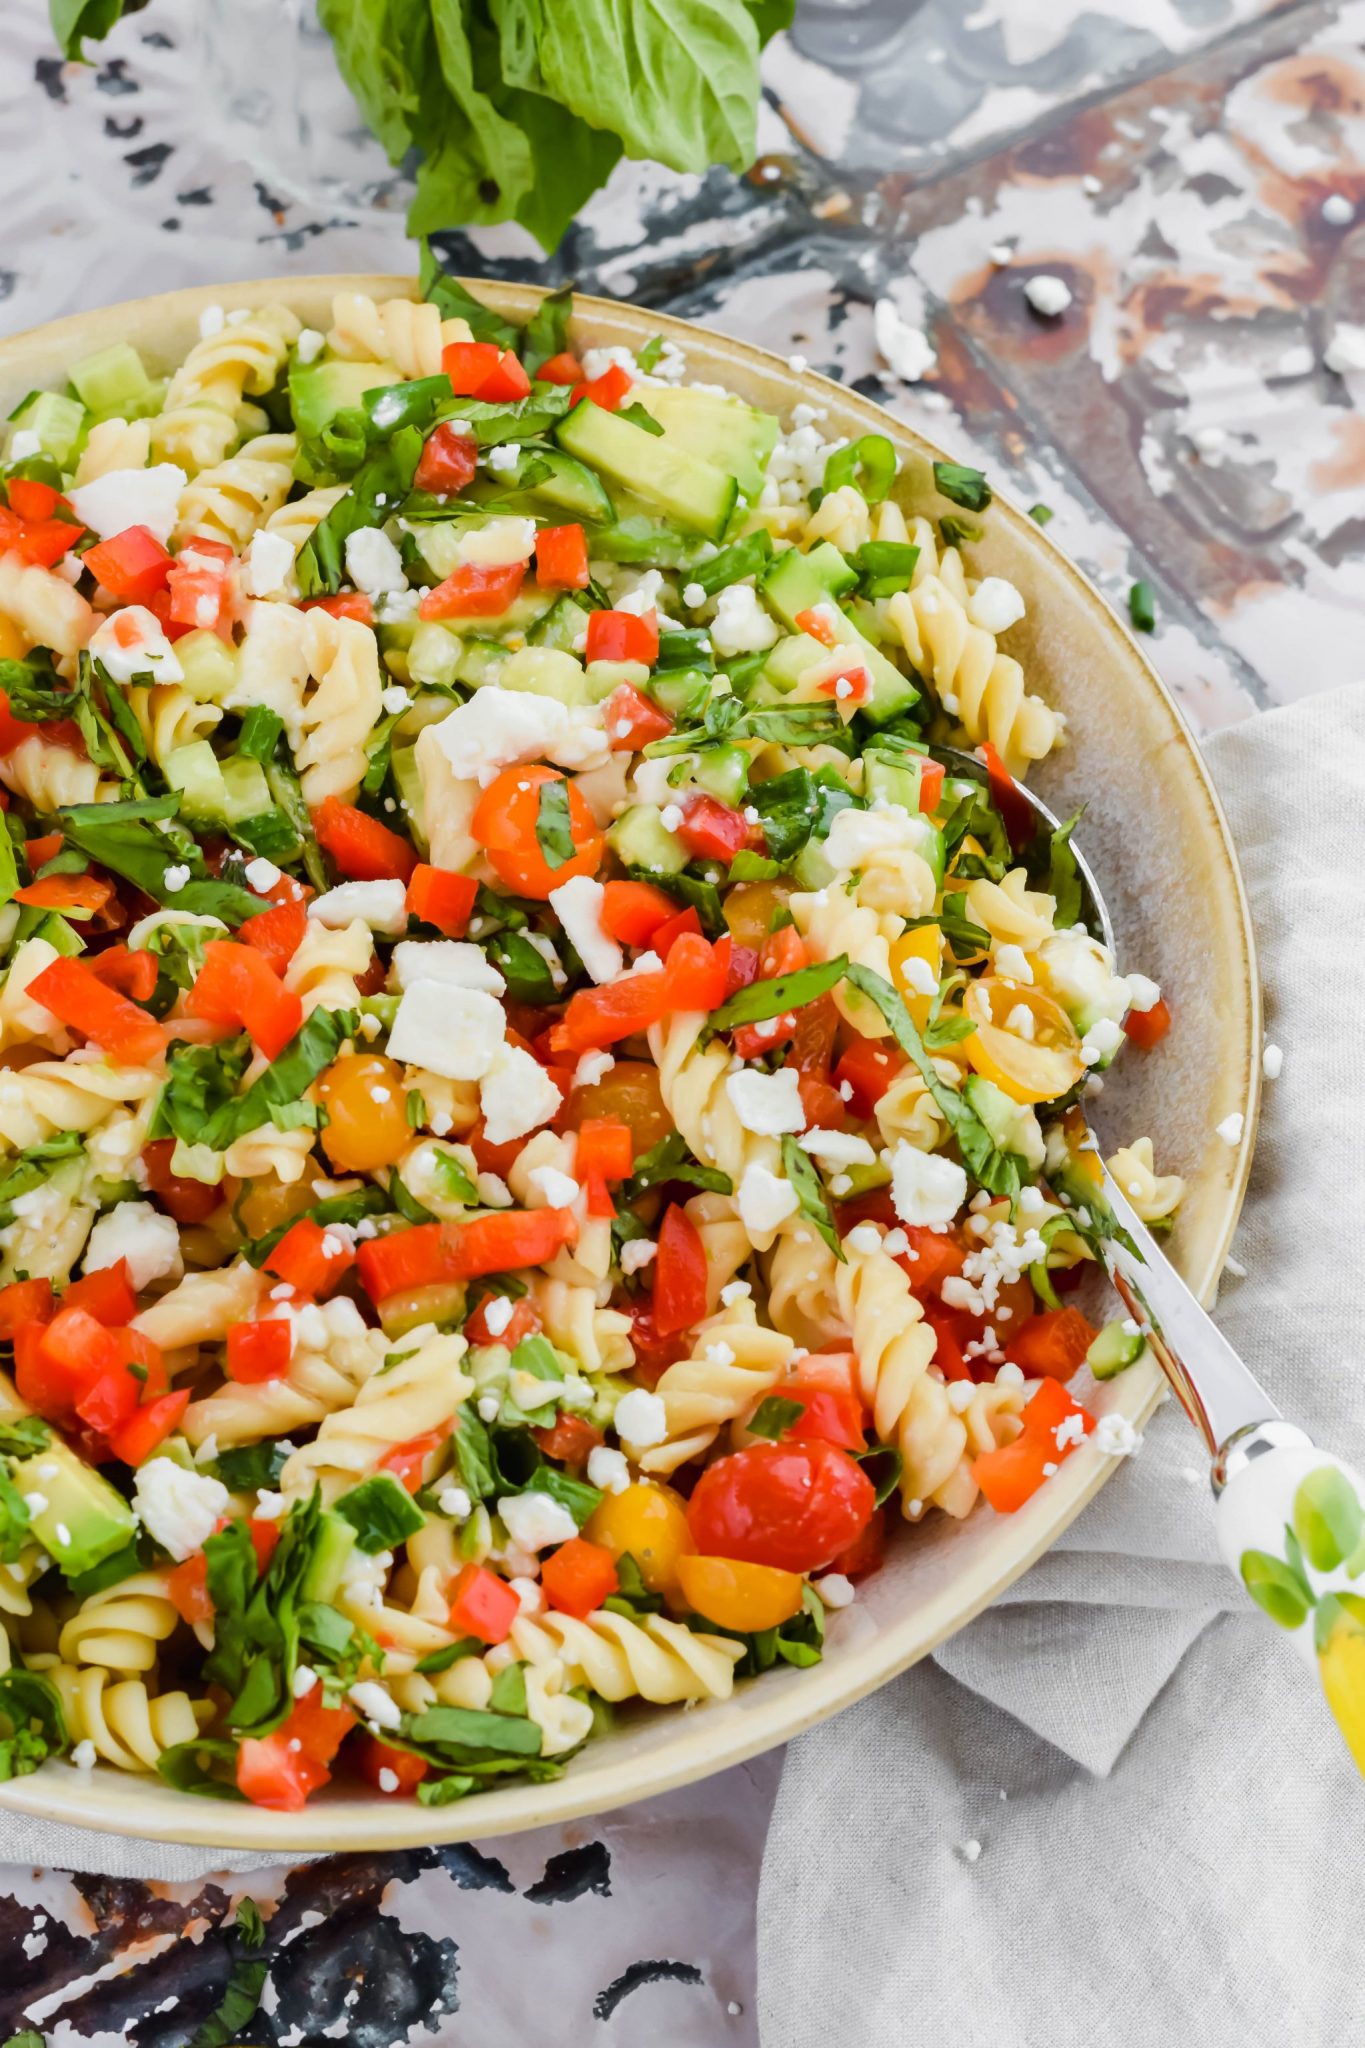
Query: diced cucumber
(642, 840)
(993, 1106)
(550, 672)
(679, 691)
(795, 583)
(113, 380)
(209, 666)
(1116, 1348)
(692, 491)
(725, 431)
(724, 772)
(434, 654)
(198, 775)
(480, 662)
(863, 1179)
(893, 777)
(562, 626)
(83, 1520)
(57, 420)
(332, 1547)
(786, 663)
(407, 779)
(559, 480)
(812, 868)
(248, 792)
(319, 391)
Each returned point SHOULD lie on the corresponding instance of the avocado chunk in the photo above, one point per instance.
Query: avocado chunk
(694, 493)
(795, 583)
(642, 840)
(57, 421)
(83, 1519)
(319, 391)
(735, 436)
(113, 380)
(546, 478)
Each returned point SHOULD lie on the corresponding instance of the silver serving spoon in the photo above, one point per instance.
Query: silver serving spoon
(1289, 1517)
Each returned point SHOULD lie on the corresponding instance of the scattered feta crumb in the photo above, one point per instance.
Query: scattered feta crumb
(1001, 254)
(926, 1188)
(995, 605)
(137, 1232)
(560, 1190)
(767, 1104)
(376, 1703)
(175, 877)
(262, 874)
(1012, 962)
(1049, 296)
(969, 1851)
(388, 1780)
(83, 1756)
(637, 1253)
(382, 905)
(1115, 1435)
(1272, 1061)
(310, 344)
(266, 563)
(641, 1419)
(179, 1509)
(454, 962)
(498, 1314)
(906, 349)
(516, 1094)
(835, 1590)
(1230, 1130)
(455, 1502)
(608, 1469)
(534, 1521)
(764, 1200)
(1337, 210)
(733, 1291)
(577, 904)
(1344, 353)
(837, 1148)
(373, 563)
(458, 1033)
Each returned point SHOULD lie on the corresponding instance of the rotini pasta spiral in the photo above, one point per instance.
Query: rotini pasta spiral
(327, 964)
(692, 1082)
(73, 1094)
(406, 333)
(114, 444)
(169, 717)
(894, 1348)
(23, 1020)
(1154, 1195)
(44, 608)
(194, 436)
(597, 1339)
(802, 1300)
(244, 357)
(724, 1241)
(832, 921)
(121, 1627)
(907, 1110)
(49, 777)
(733, 1365)
(320, 1380)
(343, 708)
(1010, 911)
(651, 1658)
(842, 517)
(413, 1398)
(232, 499)
(977, 685)
(129, 1725)
(199, 1308)
(267, 1150)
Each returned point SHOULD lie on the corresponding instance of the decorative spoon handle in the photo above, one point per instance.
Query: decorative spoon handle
(1289, 1517)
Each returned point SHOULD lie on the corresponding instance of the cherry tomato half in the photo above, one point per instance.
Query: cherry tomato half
(505, 823)
(794, 1505)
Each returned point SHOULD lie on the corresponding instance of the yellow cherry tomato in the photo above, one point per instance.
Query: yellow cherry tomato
(268, 1203)
(750, 909)
(13, 643)
(738, 1595)
(911, 956)
(442, 1302)
(630, 1095)
(367, 1119)
(1023, 1042)
(649, 1521)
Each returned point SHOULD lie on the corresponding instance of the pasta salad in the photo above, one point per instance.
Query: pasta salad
(533, 1092)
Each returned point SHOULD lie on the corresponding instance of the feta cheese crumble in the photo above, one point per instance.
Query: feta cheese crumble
(534, 1521)
(1049, 296)
(767, 1104)
(577, 904)
(180, 1510)
(137, 1232)
(640, 1419)
(926, 1188)
(764, 1200)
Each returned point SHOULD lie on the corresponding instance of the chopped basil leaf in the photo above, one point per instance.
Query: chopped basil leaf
(649, 355)
(260, 733)
(670, 1160)
(476, 1456)
(884, 567)
(1041, 513)
(869, 462)
(509, 1691)
(124, 838)
(445, 1728)
(638, 417)
(955, 531)
(546, 333)
(381, 1512)
(205, 1766)
(783, 992)
(810, 1192)
(247, 1468)
(574, 1494)
(554, 826)
(744, 558)
(448, 1654)
(774, 1417)
(455, 303)
(1142, 607)
(525, 970)
(963, 485)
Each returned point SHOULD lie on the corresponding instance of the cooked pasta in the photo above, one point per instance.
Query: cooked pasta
(523, 1104)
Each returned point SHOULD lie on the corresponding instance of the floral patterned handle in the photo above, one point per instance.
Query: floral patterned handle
(1291, 1524)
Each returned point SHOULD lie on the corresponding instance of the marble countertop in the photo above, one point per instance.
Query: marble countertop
(1194, 171)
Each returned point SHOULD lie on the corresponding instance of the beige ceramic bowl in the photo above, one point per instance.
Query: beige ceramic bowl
(1157, 837)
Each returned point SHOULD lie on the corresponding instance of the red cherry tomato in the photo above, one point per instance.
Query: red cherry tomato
(794, 1505)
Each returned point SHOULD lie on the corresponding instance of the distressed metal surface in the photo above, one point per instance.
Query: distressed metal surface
(1170, 160)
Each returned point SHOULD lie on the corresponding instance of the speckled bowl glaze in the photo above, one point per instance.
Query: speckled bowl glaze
(1156, 835)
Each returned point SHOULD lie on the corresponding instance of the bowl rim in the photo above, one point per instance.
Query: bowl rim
(105, 1801)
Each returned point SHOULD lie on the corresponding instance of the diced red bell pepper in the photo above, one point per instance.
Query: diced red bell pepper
(259, 1351)
(562, 558)
(440, 897)
(711, 830)
(280, 1770)
(276, 933)
(346, 604)
(199, 587)
(932, 1257)
(605, 1147)
(136, 1439)
(1011, 1475)
(430, 1252)
(850, 684)
(106, 1294)
(632, 912)
(450, 460)
(131, 565)
(81, 1000)
(189, 1201)
(678, 926)
(467, 364)
(930, 785)
(623, 636)
(578, 1577)
(391, 1771)
(569, 1440)
(41, 542)
(24, 1301)
(829, 1414)
(679, 1274)
(602, 1016)
(310, 1258)
(1147, 1028)
(743, 970)
(483, 1605)
(1014, 807)
(523, 1321)
(78, 1350)
(31, 498)
(237, 986)
(132, 974)
(697, 972)
(632, 721)
(868, 1066)
(474, 592)
(359, 847)
(782, 952)
(609, 391)
(37, 852)
(84, 894)
(561, 369)
(866, 1553)
(187, 1589)
(751, 1041)
(1050, 1345)
(506, 382)
(815, 621)
(407, 1461)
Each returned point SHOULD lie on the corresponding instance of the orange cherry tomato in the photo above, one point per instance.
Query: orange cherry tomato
(737, 1595)
(504, 824)
(367, 1119)
(630, 1095)
(649, 1521)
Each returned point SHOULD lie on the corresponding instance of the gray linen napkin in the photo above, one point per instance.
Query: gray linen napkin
(1114, 1808)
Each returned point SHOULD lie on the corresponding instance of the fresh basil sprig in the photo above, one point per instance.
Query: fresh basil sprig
(763, 999)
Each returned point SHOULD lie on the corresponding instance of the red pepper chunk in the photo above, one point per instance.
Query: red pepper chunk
(148, 1426)
(408, 1462)
(610, 390)
(449, 462)
(578, 1577)
(1051, 1345)
(431, 1252)
(561, 369)
(1013, 806)
(279, 1771)
(562, 558)
(237, 986)
(31, 498)
(522, 1321)
(389, 1770)
(310, 1259)
(131, 565)
(623, 636)
(479, 369)
(1012, 1474)
(474, 592)
(276, 933)
(679, 1274)
(132, 974)
(24, 1301)
(632, 721)
(440, 897)
(360, 847)
(189, 1201)
(930, 785)
(1147, 1028)
(106, 1294)
(81, 1000)
(633, 911)
(41, 542)
(347, 604)
(711, 830)
(483, 1605)
(259, 1351)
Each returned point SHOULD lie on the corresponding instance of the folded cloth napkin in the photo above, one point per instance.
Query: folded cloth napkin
(1114, 1808)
